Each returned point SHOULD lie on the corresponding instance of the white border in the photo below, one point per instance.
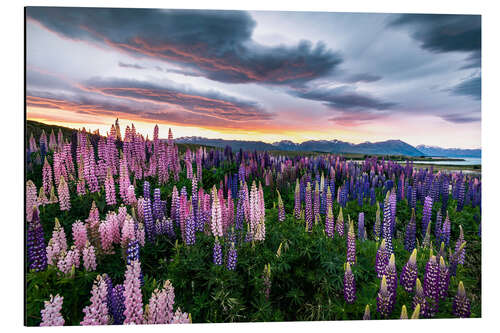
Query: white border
(12, 183)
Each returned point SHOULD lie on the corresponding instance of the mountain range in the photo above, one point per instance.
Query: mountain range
(389, 147)
(449, 152)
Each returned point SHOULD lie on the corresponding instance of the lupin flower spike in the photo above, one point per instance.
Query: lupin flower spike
(416, 312)
(404, 314)
(366, 315)
(461, 304)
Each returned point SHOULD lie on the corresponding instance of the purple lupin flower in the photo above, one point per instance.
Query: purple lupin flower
(351, 244)
(454, 258)
(444, 278)
(281, 209)
(461, 304)
(232, 258)
(35, 242)
(377, 224)
(419, 300)
(297, 207)
(361, 226)
(385, 302)
(409, 273)
(445, 232)
(391, 276)
(410, 233)
(309, 211)
(437, 228)
(349, 285)
(118, 304)
(387, 224)
(217, 252)
(316, 201)
(431, 285)
(426, 213)
(381, 259)
(458, 244)
(148, 220)
(329, 223)
(190, 228)
(339, 227)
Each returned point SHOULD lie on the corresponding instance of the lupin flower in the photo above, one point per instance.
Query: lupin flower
(410, 233)
(97, 312)
(349, 285)
(329, 223)
(267, 280)
(431, 284)
(132, 293)
(361, 226)
(444, 278)
(51, 313)
(35, 243)
(426, 242)
(377, 225)
(57, 243)
(88, 256)
(339, 227)
(404, 314)
(381, 259)
(281, 209)
(385, 302)
(31, 199)
(216, 225)
(181, 317)
(461, 304)
(161, 303)
(454, 258)
(351, 244)
(217, 252)
(317, 203)
(391, 276)
(419, 300)
(458, 244)
(387, 224)
(117, 304)
(366, 315)
(109, 186)
(416, 312)
(79, 232)
(232, 258)
(63, 192)
(409, 273)
(445, 232)
(426, 213)
(308, 210)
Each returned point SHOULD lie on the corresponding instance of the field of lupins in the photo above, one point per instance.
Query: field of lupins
(138, 231)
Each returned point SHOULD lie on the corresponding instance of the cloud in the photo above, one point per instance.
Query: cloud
(362, 77)
(442, 33)
(469, 87)
(125, 65)
(217, 44)
(206, 103)
(343, 98)
(460, 118)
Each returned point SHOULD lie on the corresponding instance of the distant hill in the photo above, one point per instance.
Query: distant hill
(390, 147)
(449, 152)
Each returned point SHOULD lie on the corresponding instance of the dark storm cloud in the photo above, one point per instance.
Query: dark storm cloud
(125, 65)
(441, 33)
(218, 44)
(209, 103)
(470, 87)
(343, 98)
(461, 118)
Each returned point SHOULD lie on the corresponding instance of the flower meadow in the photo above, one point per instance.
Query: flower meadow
(133, 230)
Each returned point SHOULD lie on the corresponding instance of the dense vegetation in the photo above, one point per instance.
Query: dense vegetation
(294, 269)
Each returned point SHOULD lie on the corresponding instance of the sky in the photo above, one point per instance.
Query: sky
(258, 75)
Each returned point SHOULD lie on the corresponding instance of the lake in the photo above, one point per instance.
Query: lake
(466, 161)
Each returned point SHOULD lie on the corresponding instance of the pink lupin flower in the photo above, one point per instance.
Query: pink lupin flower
(181, 317)
(133, 297)
(46, 176)
(140, 234)
(57, 243)
(97, 312)
(88, 257)
(216, 224)
(161, 303)
(65, 262)
(42, 198)
(128, 231)
(106, 235)
(131, 199)
(79, 234)
(51, 313)
(31, 199)
(63, 192)
(109, 186)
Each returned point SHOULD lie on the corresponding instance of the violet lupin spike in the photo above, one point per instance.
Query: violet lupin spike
(410, 233)
(458, 244)
(431, 284)
(281, 209)
(444, 279)
(329, 223)
(381, 259)
(297, 206)
(349, 285)
(419, 299)
(339, 227)
(409, 273)
(377, 225)
(385, 302)
(309, 209)
(351, 244)
(461, 304)
(232, 258)
(217, 252)
(391, 276)
(426, 213)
